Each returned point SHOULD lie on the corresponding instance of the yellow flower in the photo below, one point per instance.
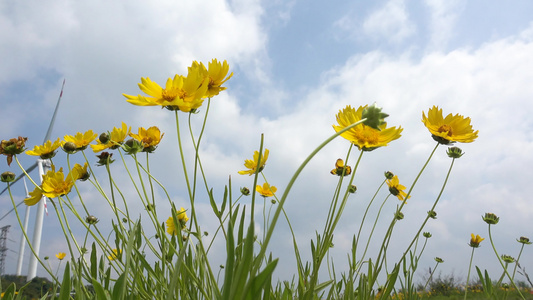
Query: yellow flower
(266, 190)
(182, 220)
(46, 151)
(364, 137)
(115, 254)
(81, 140)
(79, 172)
(61, 255)
(216, 73)
(251, 164)
(449, 129)
(181, 93)
(396, 189)
(55, 184)
(340, 168)
(116, 138)
(150, 138)
(475, 241)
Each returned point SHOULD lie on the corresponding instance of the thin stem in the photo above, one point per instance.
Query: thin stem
(469, 269)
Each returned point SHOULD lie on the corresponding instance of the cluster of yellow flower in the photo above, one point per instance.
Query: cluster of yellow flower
(184, 93)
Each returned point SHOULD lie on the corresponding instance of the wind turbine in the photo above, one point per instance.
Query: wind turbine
(43, 166)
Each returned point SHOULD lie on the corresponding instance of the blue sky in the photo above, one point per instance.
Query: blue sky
(296, 64)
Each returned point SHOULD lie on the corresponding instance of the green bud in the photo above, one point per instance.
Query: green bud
(273, 201)
(352, 189)
(389, 175)
(133, 146)
(524, 240)
(69, 148)
(439, 260)
(491, 219)
(432, 214)
(245, 191)
(374, 116)
(508, 259)
(398, 215)
(104, 158)
(454, 152)
(7, 177)
(427, 234)
(91, 220)
(104, 138)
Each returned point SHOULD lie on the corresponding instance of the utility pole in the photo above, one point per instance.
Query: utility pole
(3, 247)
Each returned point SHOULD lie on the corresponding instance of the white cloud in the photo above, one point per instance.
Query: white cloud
(391, 22)
(443, 16)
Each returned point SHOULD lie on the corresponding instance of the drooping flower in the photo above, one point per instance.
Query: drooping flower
(54, 184)
(182, 220)
(266, 190)
(80, 172)
(61, 255)
(252, 164)
(449, 129)
(149, 138)
(340, 168)
(47, 150)
(180, 93)
(115, 254)
(216, 72)
(396, 189)
(116, 137)
(12, 147)
(475, 241)
(364, 137)
(81, 140)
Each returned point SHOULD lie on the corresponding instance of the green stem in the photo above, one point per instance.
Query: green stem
(501, 263)
(469, 269)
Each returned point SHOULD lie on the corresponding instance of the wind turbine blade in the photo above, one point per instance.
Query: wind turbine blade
(28, 170)
(51, 126)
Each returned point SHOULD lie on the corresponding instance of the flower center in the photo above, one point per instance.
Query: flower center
(169, 95)
(446, 128)
(367, 135)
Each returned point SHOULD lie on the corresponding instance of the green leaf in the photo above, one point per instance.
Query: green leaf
(94, 262)
(66, 288)
(120, 287)
(99, 290)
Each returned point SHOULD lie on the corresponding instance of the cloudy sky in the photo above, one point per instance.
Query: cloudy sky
(295, 65)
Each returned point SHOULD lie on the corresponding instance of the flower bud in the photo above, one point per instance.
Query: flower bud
(104, 159)
(352, 189)
(7, 177)
(46, 258)
(245, 191)
(389, 175)
(150, 207)
(133, 146)
(439, 260)
(524, 240)
(91, 220)
(508, 259)
(69, 147)
(104, 138)
(427, 234)
(206, 233)
(432, 214)
(398, 215)
(454, 152)
(273, 201)
(491, 219)
(374, 116)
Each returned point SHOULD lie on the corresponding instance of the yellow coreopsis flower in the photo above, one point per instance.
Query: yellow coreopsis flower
(182, 220)
(180, 93)
(396, 189)
(80, 172)
(449, 129)
(116, 137)
(150, 138)
(81, 140)
(61, 255)
(266, 190)
(252, 165)
(55, 184)
(475, 241)
(216, 72)
(115, 254)
(340, 168)
(47, 150)
(364, 137)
